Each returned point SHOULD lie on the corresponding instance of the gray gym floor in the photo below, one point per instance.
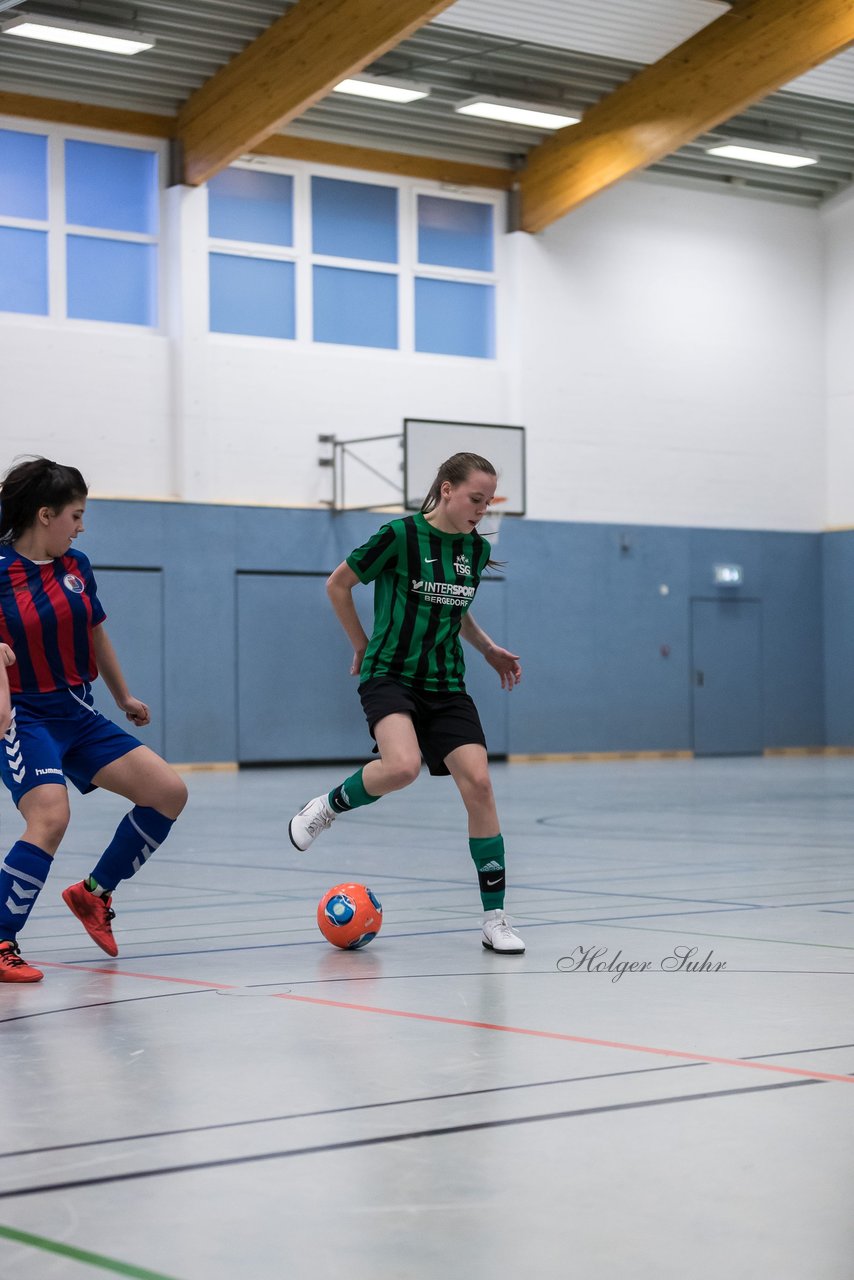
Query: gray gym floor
(234, 1097)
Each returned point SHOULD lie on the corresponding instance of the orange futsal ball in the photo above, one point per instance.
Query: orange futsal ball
(349, 916)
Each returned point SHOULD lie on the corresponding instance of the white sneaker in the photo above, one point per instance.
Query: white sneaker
(307, 825)
(499, 936)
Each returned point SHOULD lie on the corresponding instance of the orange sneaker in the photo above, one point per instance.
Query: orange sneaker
(94, 913)
(13, 968)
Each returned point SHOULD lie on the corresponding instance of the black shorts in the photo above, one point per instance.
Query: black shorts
(443, 721)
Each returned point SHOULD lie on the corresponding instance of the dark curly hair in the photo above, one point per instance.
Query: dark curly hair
(31, 485)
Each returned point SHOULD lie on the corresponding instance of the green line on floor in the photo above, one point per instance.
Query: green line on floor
(81, 1255)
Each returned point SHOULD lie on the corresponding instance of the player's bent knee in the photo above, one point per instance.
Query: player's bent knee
(477, 790)
(49, 831)
(47, 821)
(173, 795)
(402, 773)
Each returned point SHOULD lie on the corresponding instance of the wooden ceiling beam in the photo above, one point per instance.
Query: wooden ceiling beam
(737, 60)
(86, 114)
(460, 173)
(433, 168)
(292, 65)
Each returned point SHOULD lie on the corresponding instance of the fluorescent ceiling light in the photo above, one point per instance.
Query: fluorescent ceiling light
(382, 89)
(762, 153)
(513, 112)
(84, 35)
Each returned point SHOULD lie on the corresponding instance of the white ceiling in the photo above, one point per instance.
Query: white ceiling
(637, 30)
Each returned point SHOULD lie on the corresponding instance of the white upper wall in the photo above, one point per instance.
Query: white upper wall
(96, 397)
(838, 222)
(670, 361)
(663, 346)
(250, 410)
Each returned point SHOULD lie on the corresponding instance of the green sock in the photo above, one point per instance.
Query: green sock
(351, 794)
(488, 856)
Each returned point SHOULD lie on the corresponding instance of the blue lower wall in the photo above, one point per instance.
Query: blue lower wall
(200, 598)
(838, 565)
(588, 615)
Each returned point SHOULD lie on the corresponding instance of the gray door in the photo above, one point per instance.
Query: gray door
(133, 600)
(727, 677)
(295, 697)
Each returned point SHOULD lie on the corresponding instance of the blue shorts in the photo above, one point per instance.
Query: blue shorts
(59, 735)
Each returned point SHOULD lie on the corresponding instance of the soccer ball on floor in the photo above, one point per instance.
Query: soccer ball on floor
(349, 916)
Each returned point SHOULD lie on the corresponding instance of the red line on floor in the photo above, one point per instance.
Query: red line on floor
(561, 1035)
(153, 977)
(481, 1026)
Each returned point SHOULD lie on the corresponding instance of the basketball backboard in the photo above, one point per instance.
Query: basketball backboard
(427, 443)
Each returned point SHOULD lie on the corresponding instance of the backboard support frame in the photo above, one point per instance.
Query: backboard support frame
(420, 461)
(341, 451)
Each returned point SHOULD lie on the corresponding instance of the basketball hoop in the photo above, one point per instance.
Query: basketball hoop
(492, 521)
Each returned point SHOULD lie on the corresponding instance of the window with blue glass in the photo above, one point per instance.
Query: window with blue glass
(23, 222)
(113, 188)
(360, 251)
(455, 318)
(357, 308)
(251, 293)
(23, 271)
(23, 175)
(111, 280)
(112, 276)
(353, 220)
(454, 310)
(252, 296)
(455, 233)
(244, 204)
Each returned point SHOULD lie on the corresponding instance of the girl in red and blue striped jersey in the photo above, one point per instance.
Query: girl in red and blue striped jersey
(52, 619)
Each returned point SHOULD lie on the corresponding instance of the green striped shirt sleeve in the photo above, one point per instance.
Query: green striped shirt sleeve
(369, 560)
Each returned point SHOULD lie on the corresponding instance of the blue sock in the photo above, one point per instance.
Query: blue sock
(138, 834)
(22, 876)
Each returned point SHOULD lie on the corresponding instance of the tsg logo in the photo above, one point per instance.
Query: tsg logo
(462, 567)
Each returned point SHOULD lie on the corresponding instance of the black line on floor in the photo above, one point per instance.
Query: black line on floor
(388, 1139)
(354, 1107)
(518, 973)
(518, 916)
(99, 1004)
(793, 1053)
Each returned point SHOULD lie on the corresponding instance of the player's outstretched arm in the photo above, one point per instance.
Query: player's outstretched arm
(339, 588)
(507, 664)
(109, 667)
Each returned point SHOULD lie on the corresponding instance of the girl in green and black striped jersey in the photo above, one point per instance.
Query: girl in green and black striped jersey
(426, 569)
